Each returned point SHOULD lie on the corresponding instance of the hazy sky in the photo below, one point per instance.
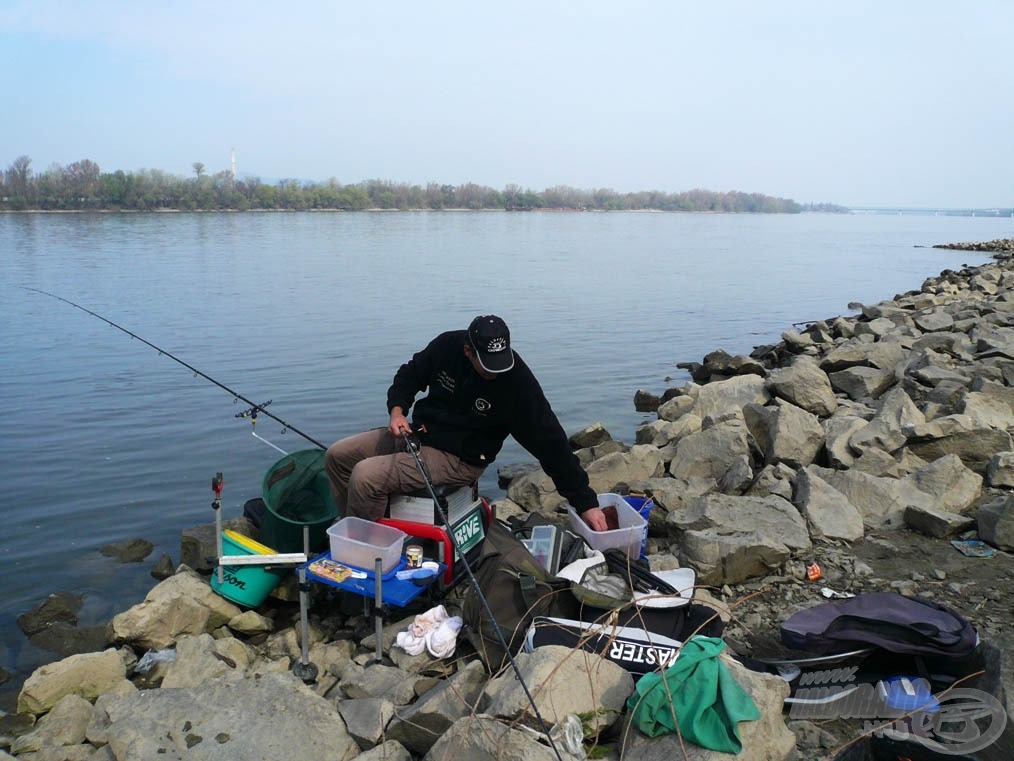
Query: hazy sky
(859, 103)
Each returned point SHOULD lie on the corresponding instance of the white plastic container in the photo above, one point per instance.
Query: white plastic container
(358, 543)
(627, 537)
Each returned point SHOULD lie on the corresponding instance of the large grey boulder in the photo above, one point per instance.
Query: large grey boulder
(366, 719)
(829, 514)
(936, 522)
(484, 738)
(536, 492)
(975, 447)
(996, 523)
(378, 681)
(182, 604)
(954, 487)
(272, 716)
(886, 431)
(419, 725)
(881, 501)
(64, 725)
(785, 433)
(562, 681)
(1000, 470)
(837, 432)
(722, 556)
(728, 539)
(711, 452)
(717, 398)
(86, 675)
(658, 433)
(859, 351)
(770, 516)
(862, 382)
(202, 657)
(805, 385)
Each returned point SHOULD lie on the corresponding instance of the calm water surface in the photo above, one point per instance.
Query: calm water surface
(103, 440)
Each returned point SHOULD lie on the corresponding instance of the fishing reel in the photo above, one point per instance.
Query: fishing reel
(251, 412)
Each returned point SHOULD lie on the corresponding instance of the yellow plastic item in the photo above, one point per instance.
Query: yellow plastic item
(244, 541)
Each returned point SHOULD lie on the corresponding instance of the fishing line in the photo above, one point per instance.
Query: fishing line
(255, 408)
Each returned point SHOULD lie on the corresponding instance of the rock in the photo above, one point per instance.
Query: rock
(936, 522)
(771, 517)
(719, 397)
(129, 551)
(676, 408)
(712, 452)
(975, 447)
(366, 719)
(996, 523)
(182, 604)
(955, 487)
(645, 401)
(378, 681)
(201, 657)
(1000, 470)
(87, 675)
(862, 382)
(805, 385)
(233, 717)
(61, 607)
(562, 681)
(483, 737)
(857, 351)
(420, 725)
(829, 514)
(164, 568)
(591, 436)
(614, 472)
(785, 433)
(886, 431)
(881, 501)
(64, 725)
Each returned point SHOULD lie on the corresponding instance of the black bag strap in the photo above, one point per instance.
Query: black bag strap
(637, 572)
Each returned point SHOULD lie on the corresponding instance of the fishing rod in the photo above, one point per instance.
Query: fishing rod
(254, 410)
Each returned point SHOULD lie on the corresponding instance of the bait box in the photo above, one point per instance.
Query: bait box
(358, 543)
(627, 537)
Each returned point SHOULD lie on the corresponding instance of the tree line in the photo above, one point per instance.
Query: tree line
(82, 186)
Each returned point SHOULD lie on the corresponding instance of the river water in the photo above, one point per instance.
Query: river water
(102, 439)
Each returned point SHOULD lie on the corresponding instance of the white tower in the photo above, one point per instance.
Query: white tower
(234, 165)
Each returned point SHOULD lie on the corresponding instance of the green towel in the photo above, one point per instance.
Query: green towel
(698, 694)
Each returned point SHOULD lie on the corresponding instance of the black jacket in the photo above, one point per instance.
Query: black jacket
(469, 416)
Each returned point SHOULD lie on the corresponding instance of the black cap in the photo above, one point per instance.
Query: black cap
(491, 341)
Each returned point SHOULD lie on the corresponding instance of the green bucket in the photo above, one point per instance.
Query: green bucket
(247, 585)
(296, 493)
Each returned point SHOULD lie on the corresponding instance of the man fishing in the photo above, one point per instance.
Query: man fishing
(480, 392)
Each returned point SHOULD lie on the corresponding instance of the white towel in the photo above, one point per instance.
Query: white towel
(415, 639)
(442, 640)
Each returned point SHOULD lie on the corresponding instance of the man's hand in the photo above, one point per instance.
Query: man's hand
(595, 518)
(399, 423)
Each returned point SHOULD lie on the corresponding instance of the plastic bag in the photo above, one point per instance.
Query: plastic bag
(152, 658)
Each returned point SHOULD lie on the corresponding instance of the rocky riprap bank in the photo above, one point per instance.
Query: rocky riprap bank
(853, 441)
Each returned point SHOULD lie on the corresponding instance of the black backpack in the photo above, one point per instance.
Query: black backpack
(517, 589)
(893, 622)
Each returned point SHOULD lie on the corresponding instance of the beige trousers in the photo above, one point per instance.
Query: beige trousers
(363, 470)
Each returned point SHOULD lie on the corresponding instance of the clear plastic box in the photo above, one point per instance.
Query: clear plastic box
(627, 537)
(358, 543)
